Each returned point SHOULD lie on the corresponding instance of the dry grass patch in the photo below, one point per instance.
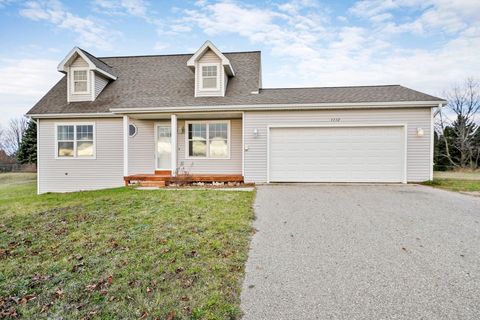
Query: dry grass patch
(122, 253)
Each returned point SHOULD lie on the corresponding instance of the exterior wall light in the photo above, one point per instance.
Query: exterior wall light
(255, 132)
(420, 132)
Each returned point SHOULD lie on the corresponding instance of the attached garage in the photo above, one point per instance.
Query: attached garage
(357, 153)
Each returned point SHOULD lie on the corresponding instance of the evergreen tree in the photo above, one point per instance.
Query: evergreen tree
(27, 153)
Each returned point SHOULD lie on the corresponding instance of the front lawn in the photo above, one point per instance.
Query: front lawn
(456, 181)
(121, 253)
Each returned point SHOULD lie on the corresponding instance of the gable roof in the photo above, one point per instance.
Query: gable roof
(210, 46)
(166, 82)
(98, 63)
(93, 62)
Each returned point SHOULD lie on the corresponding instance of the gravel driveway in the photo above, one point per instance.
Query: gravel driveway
(363, 252)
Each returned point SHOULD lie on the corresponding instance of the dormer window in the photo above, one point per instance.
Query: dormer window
(210, 78)
(212, 71)
(80, 81)
(87, 75)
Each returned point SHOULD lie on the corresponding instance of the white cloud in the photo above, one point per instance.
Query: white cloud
(435, 15)
(138, 8)
(91, 33)
(160, 47)
(23, 83)
(311, 51)
(285, 30)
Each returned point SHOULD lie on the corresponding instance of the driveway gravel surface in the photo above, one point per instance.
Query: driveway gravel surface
(363, 252)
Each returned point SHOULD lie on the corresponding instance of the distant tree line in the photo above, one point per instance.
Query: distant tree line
(457, 131)
(18, 143)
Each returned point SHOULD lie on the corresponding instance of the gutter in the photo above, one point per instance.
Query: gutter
(73, 115)
(118, 112)
(259, 107)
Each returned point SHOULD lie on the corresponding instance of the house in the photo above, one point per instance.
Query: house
(207, 114)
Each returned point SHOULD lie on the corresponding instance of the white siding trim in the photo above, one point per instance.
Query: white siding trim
(173, 139)
(207, 122)
(432, 133)
(38, 156)
(344, 125)
(243, 143)
(74, 115)
(125, 145)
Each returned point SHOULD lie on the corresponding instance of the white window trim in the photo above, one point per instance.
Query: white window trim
(207, 122)
(72, 79)
(75, 124)
(201, 65)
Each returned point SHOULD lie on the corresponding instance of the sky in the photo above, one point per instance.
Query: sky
(427, 45)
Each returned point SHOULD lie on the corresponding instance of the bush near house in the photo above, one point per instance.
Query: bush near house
(121, 253)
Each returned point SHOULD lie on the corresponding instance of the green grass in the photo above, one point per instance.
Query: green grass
(455, 181)
(121, 253)
(458, 175)
(454, 184)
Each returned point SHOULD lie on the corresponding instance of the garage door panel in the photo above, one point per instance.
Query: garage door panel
(336, 154)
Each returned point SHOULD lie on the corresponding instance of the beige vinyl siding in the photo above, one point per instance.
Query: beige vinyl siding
(100, 84)
(66, 175)
(141, 147)
(418, 148)
(219, 166)
(209, 57)
(79, 63)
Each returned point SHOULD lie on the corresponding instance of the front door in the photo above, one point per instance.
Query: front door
(163, 147)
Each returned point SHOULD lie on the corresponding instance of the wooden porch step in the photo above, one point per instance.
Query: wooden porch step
(164, 172)
(152, 183)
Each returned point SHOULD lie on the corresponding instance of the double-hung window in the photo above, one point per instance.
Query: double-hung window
(80, 81)
(210, 77)
(208, 139)
(75, 141)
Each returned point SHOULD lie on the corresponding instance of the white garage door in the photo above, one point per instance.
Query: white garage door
(337, 154)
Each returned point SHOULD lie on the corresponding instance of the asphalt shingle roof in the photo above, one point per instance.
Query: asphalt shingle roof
(98, 63)
(166, 81)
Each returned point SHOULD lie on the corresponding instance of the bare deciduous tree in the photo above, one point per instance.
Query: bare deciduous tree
(2, 131)
(457, 124)
(12, 135)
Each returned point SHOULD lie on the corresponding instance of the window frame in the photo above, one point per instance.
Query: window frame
(136, 130)
(201, 65)
(75, 156)
(207, 123)
(72, 79)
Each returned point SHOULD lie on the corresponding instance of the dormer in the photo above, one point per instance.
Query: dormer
(87, 76)
(212, 70)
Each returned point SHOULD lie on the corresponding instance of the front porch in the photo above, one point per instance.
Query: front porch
(183, 148)
(161, 180)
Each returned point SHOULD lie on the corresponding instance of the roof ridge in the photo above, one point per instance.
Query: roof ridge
(172, 54)
(332, 87)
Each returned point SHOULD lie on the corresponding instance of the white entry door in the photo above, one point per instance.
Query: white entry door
(163, 147)
(337, 154)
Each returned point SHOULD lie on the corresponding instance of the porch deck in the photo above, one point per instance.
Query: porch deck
(165, 179)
